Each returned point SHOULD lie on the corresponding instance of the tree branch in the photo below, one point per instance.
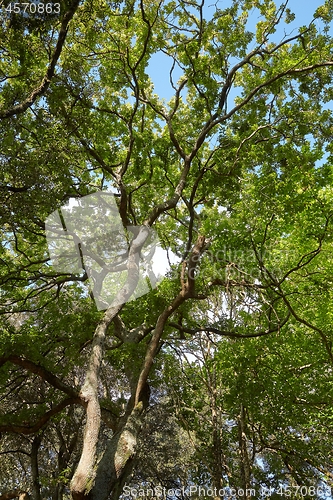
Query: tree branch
(42, 372)
(186, 292)
(20, 108)
(21, 495)
(107, 416)
(171, 202)
(32, 429)
(227, 333)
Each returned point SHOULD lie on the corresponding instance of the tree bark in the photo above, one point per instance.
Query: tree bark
(117, 460)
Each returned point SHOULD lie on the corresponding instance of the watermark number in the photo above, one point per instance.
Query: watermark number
(33, 8)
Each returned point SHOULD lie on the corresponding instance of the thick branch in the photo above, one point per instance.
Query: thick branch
(108, 417)
(133, 336)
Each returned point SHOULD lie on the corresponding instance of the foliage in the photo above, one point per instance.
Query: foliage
(234, 172)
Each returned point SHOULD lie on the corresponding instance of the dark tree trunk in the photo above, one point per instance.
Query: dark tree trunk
(245, 466)
(34, 468)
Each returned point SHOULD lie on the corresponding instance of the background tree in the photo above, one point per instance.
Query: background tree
(234, 174)
(246, 432)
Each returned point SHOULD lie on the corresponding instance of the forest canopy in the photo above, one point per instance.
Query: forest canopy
(214, 378)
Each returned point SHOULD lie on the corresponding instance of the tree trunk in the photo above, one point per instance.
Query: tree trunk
(34, 468)
(84, 476)
(116, 463)
(93, 479)
(243, 452)
(217, 467)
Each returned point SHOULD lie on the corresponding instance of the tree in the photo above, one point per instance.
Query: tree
(234, 175)
(254, 416)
